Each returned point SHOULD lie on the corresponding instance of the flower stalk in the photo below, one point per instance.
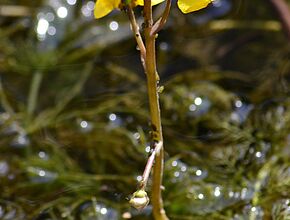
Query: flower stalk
(148, 57)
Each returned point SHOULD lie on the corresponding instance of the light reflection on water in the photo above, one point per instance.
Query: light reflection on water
(39, 175)
(98, 211)
(208, 197)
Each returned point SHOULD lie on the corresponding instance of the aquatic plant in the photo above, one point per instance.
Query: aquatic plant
(79, 150)
(148, 59)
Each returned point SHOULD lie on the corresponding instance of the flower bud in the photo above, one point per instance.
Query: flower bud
(139, 199)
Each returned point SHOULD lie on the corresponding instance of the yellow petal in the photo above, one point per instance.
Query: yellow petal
(153, 2)
(187, 6)
(104, 7)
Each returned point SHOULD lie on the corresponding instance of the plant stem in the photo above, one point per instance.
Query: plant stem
(149, 166)
(152, 83)
(138, 37)
(283, 11)
(33, 93)
(161, 22)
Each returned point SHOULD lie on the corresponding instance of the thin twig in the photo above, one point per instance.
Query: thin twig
(161, 22)
(283, 11)
(138, 37)
(149, 165)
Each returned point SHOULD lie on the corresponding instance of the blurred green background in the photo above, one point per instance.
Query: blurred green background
(74, 122)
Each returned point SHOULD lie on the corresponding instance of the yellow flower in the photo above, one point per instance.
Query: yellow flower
(104, 7)
(187, 6)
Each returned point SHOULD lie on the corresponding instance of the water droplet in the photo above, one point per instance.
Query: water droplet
(147, 149)
(114, 25)
(49, 17)
(200, 196)
(192, 107)
(40, 15)
(42, 155)
(139, 178)
(258, 154)
(174, 163)
(71, 2)
(199, 107)
(91, 5)
(198, 172)
(197, 101)
(241, 112)
(176, 174)
(62, 12)
(183, 168)
(85, 126)
(112, 117)
(238, 103)
(39, 175)
(85, 11)
(42, 26)
(217, 191)
(105, 213)
(253, 212)
(51, 30)
(114, 121)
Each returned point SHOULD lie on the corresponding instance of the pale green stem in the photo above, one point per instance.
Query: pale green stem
(33, 93)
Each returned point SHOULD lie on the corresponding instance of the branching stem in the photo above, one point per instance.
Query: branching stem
(149, 165)
(148, 58)
(138, 37)
(161, 22)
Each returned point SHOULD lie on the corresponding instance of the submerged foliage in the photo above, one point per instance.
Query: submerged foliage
(74, 120)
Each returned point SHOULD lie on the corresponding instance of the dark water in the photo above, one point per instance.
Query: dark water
(74, 124)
